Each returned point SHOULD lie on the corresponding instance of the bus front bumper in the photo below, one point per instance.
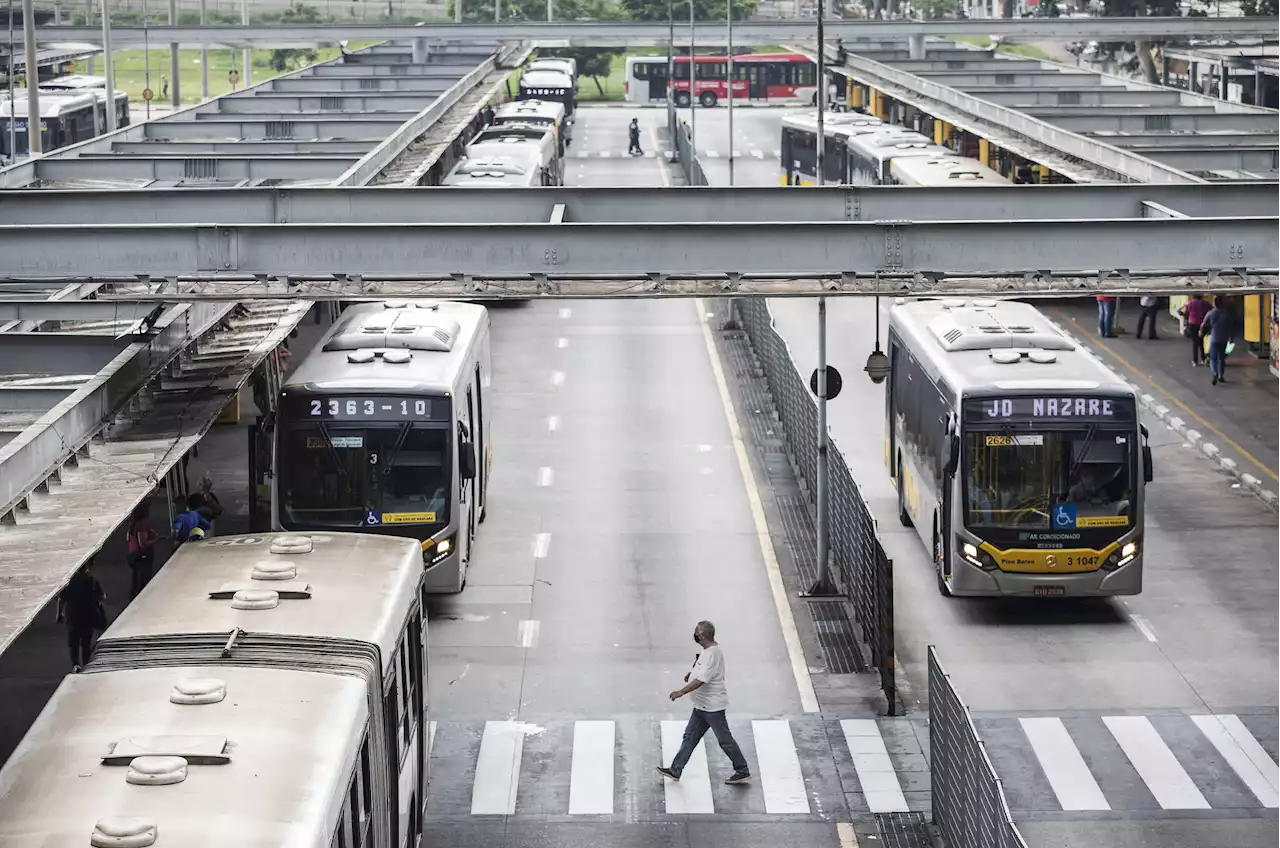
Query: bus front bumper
(968, 580)
(444, 576)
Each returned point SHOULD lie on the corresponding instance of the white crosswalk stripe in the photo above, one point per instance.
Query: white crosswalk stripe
(874, 767)
(1243, 753)
(1168, 781)
(780, 774)
(498, 769)
(711, 154)
(691, 794)
(758, 154)
(1062, 764)
(591, 772)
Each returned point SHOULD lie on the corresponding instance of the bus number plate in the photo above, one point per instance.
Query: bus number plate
(1048, 591)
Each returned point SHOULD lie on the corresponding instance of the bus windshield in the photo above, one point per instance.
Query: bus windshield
(1051, 480)
(337, 475)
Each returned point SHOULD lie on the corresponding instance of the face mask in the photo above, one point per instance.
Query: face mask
(696, 639)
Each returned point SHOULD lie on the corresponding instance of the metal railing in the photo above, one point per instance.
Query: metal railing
(969, 807)
(862, 569)
(689, 162)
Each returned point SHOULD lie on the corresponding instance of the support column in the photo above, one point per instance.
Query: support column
(419, 51)
(107, 69)
(174, 68)
(34, 141)
(917, 47)
(204, 56)
(247, 52)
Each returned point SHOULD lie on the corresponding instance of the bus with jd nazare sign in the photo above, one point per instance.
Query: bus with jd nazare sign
(1019, 458)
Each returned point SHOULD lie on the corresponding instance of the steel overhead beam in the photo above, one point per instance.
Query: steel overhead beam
(347, 101)
(1256, 160)
(1201, 141)
(338, 85)
(622, 205)
(503, 251)
(264, 147)
(963, 79)
(213, 167)
(1123, 119)
(627, 32)
(75, 310)
(1099, 96)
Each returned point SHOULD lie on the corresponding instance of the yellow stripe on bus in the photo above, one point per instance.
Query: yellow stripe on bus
(1057, 561)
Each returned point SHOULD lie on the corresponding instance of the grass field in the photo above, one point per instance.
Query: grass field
(130, 68)
(1027, 51)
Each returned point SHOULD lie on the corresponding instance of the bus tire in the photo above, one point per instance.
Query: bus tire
(707, 99)
(682, 99)
(904, 517)
(943, 589)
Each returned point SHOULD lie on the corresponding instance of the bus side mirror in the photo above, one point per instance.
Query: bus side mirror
(1148, 472)
(467, 460)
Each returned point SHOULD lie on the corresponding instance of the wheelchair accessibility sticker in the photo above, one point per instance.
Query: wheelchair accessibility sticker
(1064, 517)
(372, 519)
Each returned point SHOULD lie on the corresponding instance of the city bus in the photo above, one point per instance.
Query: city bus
(261, 691)
(384, 428)
(765, 77)
(1018, 457)
(536, 113)
(550, 85)
(534, 144)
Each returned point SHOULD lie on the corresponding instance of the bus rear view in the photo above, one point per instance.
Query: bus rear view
(1019, 458)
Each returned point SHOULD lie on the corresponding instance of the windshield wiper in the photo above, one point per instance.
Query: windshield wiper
(1084, 451)
(333, 452)
(395, 450)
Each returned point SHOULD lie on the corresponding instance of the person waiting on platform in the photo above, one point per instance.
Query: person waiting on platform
(634, 132)
(191, 525)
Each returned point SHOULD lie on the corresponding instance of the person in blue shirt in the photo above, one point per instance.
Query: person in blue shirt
(191, 525)
(1220, 327)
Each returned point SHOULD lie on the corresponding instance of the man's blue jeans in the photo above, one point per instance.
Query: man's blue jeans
(699, 723)
(1106, 309)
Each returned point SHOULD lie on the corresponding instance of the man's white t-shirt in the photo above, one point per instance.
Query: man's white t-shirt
(711, 696)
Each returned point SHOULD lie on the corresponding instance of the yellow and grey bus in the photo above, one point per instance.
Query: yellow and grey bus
(1019, 458)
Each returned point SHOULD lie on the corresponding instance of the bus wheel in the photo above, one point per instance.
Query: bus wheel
(707, 99)
(943, 589)
(682, 99)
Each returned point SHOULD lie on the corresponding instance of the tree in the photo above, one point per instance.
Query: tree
(703, 10)
(290, 59)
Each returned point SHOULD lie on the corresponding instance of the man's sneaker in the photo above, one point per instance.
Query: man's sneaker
(668, 773)
(739, 777)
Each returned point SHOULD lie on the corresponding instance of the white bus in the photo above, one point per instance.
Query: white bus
(552, 85)
(384, 428)
(536, 113)
(1019, 458)
(942, 170)
(534, 143)
(262, 691)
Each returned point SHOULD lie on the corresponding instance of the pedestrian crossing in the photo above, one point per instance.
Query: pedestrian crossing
(1172, 762)
(812, 768)
(710, 153)
(597, 767)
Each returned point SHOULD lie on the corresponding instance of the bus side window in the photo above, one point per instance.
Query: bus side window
(392, 712)
(641, 70)
(406, 694)
(413, 649)
(366, 789)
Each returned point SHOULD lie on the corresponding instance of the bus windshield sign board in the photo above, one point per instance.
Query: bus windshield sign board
(1042, 408)
(364, 408)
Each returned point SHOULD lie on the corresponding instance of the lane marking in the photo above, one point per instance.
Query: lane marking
(795, 652)
(557, 378)
(431, 737)
(1174, 400)
(553, 423)
(546, 476)
(1155, 763)
(528, 632)
(1144, 627)
(711, 154)
(604, 154)
(780, 774)
(661, 163)
(562, 343)
(1062, 763)
(1243, 753)
(875, 770)
(541, 544)
(493, 791)
(591, 771)
(565, 312)
(757, 154)
(691, 794)
(847, 836)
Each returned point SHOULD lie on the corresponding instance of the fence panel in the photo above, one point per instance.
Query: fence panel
(860, 566)
(969, 806)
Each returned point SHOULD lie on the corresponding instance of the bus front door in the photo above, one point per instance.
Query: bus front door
(657, 82)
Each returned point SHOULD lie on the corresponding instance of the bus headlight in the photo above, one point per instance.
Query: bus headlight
(970, 551)
(972, 555)
(1122, 557)
(433, 552)
(1129, 549)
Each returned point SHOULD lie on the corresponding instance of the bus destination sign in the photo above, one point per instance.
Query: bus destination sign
(1002, 410)
(364, 408)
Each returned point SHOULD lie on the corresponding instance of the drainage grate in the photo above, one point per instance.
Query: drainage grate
(835, 634)
(903, 830)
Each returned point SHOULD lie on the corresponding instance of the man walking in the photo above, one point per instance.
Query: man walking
(705, 685)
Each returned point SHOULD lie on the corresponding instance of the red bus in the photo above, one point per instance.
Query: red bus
(766, 77)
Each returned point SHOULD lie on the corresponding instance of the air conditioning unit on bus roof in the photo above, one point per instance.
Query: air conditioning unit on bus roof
(969, 328)
(405, 328)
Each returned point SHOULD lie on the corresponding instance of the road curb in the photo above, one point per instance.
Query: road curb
(1193, 437)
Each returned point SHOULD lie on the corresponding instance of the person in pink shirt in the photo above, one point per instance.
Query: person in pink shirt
(1192, 313)
(1106, 315)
